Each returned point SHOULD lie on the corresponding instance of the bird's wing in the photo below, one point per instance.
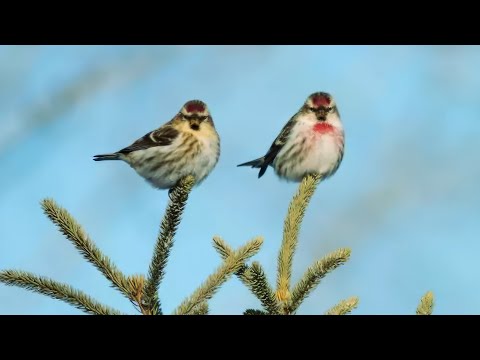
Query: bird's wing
(279, 142)
(161, 137)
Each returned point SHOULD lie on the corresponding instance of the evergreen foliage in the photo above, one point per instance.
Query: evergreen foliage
(142, 291)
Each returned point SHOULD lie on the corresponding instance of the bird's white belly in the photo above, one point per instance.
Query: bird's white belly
(323, 155)
(311, 153)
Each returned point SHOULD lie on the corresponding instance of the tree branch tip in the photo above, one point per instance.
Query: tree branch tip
(353, 300)
(217, 239)
(346, 252)
(256, 265)
(344, 307)
(48, 202)
(187, 180)
(258, 239)
(426, 304)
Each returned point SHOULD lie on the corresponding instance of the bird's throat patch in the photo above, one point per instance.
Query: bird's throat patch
(323, 128)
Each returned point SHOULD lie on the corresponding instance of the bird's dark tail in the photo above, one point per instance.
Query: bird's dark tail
(106, 157)
(258, 164)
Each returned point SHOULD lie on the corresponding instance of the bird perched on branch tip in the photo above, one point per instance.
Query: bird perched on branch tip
(188, 144)
(311, 142)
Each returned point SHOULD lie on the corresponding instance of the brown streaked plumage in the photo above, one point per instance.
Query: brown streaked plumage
(186, 145)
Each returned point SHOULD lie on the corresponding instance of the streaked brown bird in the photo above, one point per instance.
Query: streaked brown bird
(186, 145)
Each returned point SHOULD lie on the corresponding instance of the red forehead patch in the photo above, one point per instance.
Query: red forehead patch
(195, 107)
(321, 100)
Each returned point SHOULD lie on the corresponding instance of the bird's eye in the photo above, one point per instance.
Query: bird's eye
(327, 109)
(187, 117)
(203, 118)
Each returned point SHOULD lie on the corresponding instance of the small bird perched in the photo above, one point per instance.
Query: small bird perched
(312, 141)
(186, 145)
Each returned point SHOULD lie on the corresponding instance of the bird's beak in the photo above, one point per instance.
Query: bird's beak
(195, 124)
(322, 115)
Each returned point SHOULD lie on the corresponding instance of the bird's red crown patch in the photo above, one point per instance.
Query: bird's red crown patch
(195, 107)
(320, 100)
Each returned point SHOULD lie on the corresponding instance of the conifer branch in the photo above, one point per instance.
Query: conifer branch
(259, 286)
(314, 274)
(254, 312)
(232, 264)
(201, 309)
(178, 199)
(137, 283)
(296, 212)
(225, 251)
(55, 290)
(75, 233)
(344, 307)
(253, 277)
(426, 304)
(222, 247)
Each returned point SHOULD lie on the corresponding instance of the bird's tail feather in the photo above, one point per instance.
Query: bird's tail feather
(106, 157)
(258, 164)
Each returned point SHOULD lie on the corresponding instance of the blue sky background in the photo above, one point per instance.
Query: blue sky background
(406, 198)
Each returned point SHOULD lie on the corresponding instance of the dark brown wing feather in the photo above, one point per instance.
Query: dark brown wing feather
(263, 162)
(160, 137)
(278, 143)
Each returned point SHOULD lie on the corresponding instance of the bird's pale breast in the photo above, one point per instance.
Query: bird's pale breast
(310, 148)
(189, 154)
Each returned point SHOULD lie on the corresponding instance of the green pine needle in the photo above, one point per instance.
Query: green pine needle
(293, 221)
(201, 309)
(344, 307)
(171, 220)
(75, 233)
(55, 290)
(426, 304)
(258, 285)
(315, 274)
(231, 264)
(253, 277)
(254, 312)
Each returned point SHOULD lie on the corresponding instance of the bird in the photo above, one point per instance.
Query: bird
(312, 142)
(188, 144)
